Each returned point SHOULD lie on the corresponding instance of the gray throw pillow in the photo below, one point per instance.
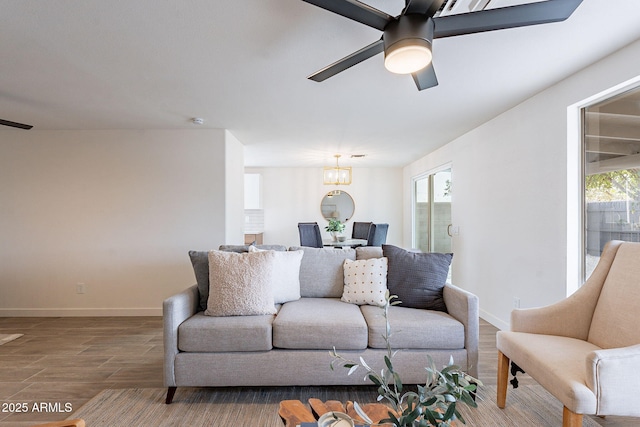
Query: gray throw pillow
(322, 272)
(417, 278)
(200, 262)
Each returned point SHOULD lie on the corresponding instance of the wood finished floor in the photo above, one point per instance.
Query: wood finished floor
(69, 360)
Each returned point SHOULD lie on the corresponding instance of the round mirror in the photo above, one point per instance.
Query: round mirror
(337, 204)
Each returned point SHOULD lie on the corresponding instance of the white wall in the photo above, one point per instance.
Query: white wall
(510, 188)
(115, 210)
(234, 188)
(292, 195)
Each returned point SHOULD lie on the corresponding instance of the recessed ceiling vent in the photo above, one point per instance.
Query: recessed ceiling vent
(452, 7)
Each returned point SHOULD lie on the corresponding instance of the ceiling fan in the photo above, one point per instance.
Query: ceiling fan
(406, 39)
(15, 124)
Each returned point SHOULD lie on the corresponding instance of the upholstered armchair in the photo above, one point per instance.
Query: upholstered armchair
(584, 350)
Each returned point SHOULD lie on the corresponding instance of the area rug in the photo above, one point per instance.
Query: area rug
(5, 338)
(529, 405)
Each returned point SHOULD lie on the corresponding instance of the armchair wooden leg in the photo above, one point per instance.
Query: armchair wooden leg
(170, 392)
(571, 419)
(503, 377)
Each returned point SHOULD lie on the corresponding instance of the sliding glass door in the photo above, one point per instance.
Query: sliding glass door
(432, 212)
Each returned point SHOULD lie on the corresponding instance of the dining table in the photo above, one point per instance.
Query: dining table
(347, 243)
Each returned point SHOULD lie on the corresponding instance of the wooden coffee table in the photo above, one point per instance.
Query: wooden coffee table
(294, 412)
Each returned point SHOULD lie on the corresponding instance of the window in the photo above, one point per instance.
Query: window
(611, 178)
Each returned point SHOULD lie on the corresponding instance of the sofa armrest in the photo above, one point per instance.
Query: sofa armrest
(464, 307)
(175, 310)
(612, 374)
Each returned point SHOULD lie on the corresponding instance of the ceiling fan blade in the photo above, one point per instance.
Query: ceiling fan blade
(15, 124)
(355, 10)
(504, 17)
(348, 61)
(426, 77)
(423, 7)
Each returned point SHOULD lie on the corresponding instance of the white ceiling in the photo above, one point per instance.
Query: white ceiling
(242, 65)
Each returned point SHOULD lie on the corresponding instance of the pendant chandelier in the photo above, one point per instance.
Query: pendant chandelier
(337, 175)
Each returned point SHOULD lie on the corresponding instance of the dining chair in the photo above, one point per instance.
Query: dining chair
(377, 234)
(310, 234)
(360, 230)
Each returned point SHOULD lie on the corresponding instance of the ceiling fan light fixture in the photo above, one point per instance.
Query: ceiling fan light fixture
(409, 57)
(407, 38)
(407, 44)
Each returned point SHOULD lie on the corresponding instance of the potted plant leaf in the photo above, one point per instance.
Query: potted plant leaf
(335, 228)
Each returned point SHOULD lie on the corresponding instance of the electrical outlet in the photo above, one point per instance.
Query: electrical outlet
(516, 302)
(80, 288)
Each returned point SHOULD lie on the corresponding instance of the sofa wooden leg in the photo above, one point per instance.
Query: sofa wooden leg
(503, 377)
(170, 392)
(571, 419)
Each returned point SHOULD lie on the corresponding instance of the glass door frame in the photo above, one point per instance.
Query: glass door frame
(414, 180)
(576, 221)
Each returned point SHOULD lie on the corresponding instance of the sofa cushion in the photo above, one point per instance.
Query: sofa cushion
(240, 284)
(417, 278)
(413, 328)
(201, 333)
(286, 275)
(368, 252)
(365, 281)
(619, 301)
(320, 323)
(321, 272)
(200, 263)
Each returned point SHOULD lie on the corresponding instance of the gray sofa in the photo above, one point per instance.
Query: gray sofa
(291, 348)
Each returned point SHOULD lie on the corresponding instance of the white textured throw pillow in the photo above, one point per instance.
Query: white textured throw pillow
(365, 281)
(286, 275)
(240, 284)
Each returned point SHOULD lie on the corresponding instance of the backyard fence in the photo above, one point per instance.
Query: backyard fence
(619, 220)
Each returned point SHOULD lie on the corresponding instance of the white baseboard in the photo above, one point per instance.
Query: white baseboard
(495, 321)
(79, 312)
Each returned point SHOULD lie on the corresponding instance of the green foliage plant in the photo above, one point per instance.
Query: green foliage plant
(433, 404)
(335, 225)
